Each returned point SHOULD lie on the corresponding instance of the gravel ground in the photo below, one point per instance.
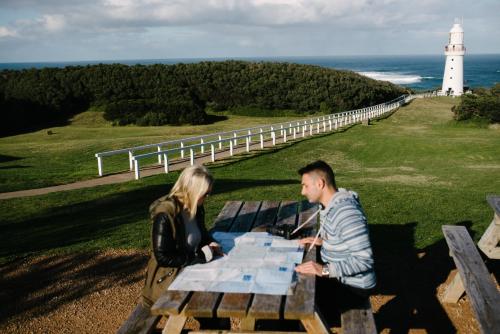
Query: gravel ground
(95, 292)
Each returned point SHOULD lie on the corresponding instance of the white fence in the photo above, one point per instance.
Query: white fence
(222, 140)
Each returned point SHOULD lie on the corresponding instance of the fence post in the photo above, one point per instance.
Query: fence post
(261, 141)
(247, 139)
(136, 169)
(284, 136)
(311, 127)
(230, 147)
(158, 148)
(130, 162)
(212, 147)
(165, 162)
(99, 164)
(191, 151)
(236, 140)
(182, 150)
(250, 136)
(220, 142)
(294, 133)
(273, 136)
(202, 146)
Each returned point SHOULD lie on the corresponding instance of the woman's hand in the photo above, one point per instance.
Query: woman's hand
(216, 249)
(309, 240)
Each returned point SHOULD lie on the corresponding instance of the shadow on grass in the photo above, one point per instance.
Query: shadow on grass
(92, 222)
(8, 158)
(211, 118)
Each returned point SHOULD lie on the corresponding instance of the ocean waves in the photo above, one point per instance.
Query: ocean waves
(395, 77)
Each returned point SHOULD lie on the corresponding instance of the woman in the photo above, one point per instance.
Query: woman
(179, 235)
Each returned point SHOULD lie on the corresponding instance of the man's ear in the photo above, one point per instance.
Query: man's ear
(321, 183)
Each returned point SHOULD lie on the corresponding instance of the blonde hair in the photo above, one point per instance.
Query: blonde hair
(193, 183)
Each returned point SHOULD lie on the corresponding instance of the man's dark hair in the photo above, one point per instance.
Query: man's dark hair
(322, 168)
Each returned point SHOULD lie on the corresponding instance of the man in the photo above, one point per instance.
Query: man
(347, 269)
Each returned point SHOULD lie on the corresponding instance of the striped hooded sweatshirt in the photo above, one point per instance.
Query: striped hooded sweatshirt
(346, 245)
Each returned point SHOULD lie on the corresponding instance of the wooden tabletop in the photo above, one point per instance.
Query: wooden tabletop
(494, 201)
(238, 216)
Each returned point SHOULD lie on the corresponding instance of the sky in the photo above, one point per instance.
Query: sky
(79, 30)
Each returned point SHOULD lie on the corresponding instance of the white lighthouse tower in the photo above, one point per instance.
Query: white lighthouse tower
(453, 79)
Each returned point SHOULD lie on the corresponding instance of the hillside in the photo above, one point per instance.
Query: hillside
(179, 94)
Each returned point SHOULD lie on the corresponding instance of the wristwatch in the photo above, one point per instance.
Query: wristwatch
(325, 271)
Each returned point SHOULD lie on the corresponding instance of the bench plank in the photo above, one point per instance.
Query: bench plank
(170, 302)
(202, 304)
(226, 216)
(140, 321)
(359, 321)
(246, 217)
(483, 294)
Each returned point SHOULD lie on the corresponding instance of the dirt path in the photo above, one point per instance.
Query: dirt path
(95, 292)
(144, 172)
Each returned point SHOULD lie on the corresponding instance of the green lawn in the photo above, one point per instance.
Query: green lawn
(414, 171)
(37, 159)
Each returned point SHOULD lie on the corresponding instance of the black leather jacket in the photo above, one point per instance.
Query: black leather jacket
(169, 234)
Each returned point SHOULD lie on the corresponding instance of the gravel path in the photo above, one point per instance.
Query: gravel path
(95, 292)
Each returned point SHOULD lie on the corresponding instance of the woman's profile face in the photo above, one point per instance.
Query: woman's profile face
(204, 196)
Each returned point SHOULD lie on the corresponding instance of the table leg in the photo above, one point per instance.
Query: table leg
(175, 324)
(455, 290)
(247, 324)
(489, 241)
(316, 325)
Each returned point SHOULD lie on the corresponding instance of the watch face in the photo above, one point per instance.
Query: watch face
(325, 271)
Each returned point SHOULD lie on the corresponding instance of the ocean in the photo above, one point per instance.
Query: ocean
(416, 72)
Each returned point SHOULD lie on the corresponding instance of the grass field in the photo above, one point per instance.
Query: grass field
(414, 171)
(37, 159)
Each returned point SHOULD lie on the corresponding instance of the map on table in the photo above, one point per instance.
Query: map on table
(256, 262)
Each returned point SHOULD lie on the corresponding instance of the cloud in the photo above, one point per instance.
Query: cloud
(7, 32)
(139, 15)
(179, 28)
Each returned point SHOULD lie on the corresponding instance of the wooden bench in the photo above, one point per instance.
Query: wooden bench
(359, 320)
(473, 276)
(140, 321)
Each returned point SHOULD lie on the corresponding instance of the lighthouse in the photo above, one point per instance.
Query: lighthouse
(453, 79)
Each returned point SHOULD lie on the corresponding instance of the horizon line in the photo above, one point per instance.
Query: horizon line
(230, 57)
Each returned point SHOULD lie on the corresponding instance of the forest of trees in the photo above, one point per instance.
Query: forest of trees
(177, 94)
(483, 104)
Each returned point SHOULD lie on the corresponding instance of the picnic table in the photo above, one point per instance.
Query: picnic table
(248, 216)
(489, 241)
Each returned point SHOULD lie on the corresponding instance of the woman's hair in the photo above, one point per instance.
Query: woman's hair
(193, 183)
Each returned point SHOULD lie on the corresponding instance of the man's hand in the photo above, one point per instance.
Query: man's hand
(309, 268)
(309, 240)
